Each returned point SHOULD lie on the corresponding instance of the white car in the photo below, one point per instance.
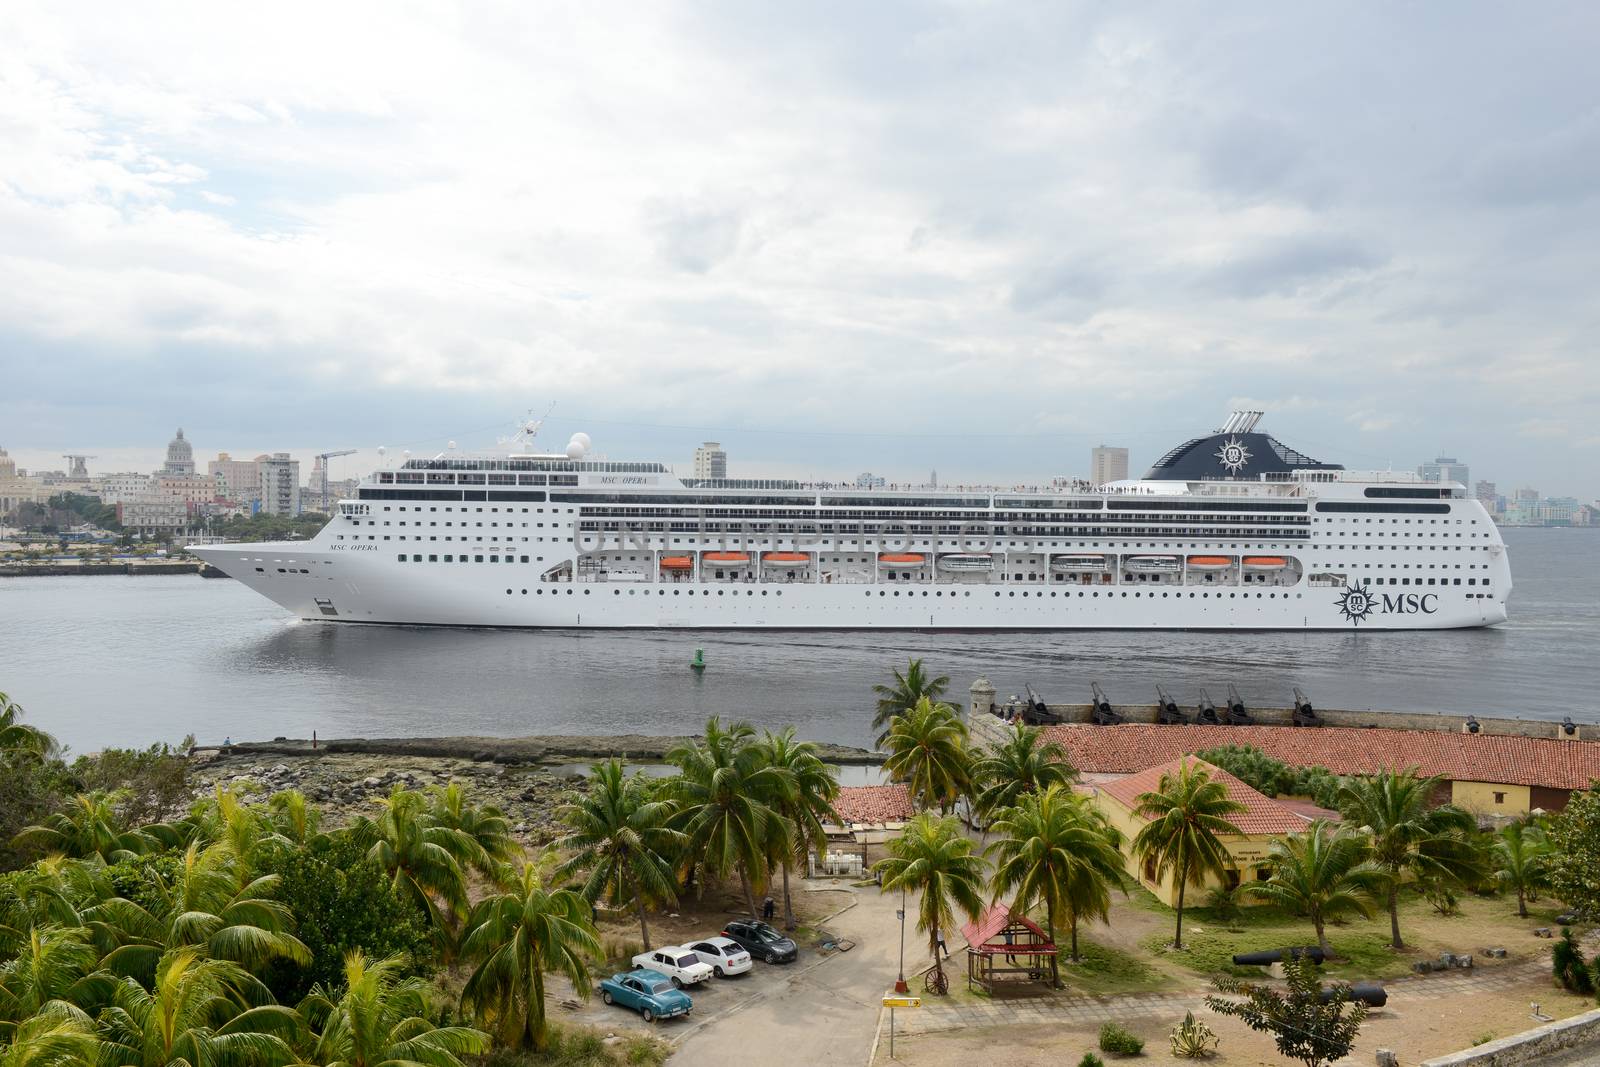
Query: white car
(678, 963)
(725, 955)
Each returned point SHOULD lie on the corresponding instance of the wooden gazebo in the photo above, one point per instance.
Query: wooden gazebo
(1006, 948)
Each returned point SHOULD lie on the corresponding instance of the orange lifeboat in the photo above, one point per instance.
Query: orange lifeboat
(785, 557)
(1266, 563)
(677, 563)
(727, 559)
(903, 559)
(1210, 563)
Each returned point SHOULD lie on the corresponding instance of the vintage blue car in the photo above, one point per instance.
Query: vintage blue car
(651, 993)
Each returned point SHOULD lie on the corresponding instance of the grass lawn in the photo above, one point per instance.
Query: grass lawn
(1361, 944)
(1106, 969)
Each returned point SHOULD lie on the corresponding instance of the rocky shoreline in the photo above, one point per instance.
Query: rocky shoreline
(527, 778)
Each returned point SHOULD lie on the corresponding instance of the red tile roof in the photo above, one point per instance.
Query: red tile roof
(873, 804)
(1461, 757)
(995, 918)
(1261, 814)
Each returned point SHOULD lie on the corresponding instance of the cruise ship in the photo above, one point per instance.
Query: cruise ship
(1232, 530)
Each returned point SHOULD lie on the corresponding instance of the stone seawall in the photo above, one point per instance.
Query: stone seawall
(511, 750)
(1581, 1032)
(983, 701)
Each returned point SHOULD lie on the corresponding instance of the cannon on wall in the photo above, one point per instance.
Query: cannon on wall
(1206, 712)
(1238, 715)
(1167, 713)
(1037, 712)
(1104, 713)
(1304, 713)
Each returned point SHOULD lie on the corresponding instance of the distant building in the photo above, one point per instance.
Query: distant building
(1108, 464)
(180, 456)
(1486, 494)
(1551, 511)
(238, 480)
(1444, 469)
(868, 480)
(280, 484)
(153, 513)
(710, 461)
(17, 489)
(114, 489)
(1526, 496)
(191, 490)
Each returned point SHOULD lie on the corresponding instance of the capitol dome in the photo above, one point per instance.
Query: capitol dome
(8, 466)
(180, 456)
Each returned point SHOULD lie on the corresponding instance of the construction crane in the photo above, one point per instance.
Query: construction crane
(325, 457)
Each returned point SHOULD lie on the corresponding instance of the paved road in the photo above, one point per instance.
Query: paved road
(816, 1011)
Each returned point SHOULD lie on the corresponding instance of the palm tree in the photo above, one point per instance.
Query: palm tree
(1185, 815)
(200, 906)
(621, 834)
(1405, 835)
(908, 688)
(803, 806)
(1322, 874)
(928, 752)
(197, 1011)
(934, 858)
(55, 965)
(381, 1019)
(89, 827)
(1056, 850)
(723, 796)
(58, 1036)
(424, 860)
(486, 827)
(1521, 860)
(516, 937)
(1020, 765)
(17, 737)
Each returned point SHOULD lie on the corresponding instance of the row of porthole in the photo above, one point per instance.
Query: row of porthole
(1136, 594)
(659, 592)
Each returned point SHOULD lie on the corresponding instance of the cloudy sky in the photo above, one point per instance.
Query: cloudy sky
(977, 236)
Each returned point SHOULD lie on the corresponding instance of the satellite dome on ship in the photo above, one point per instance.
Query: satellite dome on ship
(1235, 452)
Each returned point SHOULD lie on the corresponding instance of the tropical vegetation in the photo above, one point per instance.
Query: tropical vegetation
(1321, 874)
(908, 688)
(928, 752)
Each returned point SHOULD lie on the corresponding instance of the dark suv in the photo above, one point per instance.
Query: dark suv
(763, 941)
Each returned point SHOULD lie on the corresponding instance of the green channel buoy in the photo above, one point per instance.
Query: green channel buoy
(699, 661)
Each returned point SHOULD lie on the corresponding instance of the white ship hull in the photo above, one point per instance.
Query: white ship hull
(366, 588)
(1234, 531)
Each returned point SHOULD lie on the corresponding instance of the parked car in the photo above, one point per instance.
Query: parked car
(725, 955)
(762, 940)
(649, 993)
(677, 962)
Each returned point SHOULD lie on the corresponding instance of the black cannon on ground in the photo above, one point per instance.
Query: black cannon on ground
(1372, 994)
(1238, 715)
(1268, 957)
(1037, 712)
(1104, 713)
(1304, 713)
(1206, 713)
(1167, 713)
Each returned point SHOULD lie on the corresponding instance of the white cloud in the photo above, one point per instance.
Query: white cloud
(925, 218)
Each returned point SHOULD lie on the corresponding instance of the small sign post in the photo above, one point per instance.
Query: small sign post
(893, 1001)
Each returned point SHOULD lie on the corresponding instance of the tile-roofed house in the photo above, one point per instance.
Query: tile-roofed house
(1262, 814)
(873, 805)
(1263, 821)
(1522, 772)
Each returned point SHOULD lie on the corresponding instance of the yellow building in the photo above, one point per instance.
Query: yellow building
(1263, 821)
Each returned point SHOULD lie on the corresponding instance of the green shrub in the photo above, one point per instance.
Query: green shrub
(342, 901)
(1091, 1060)
(1114, 1038)
(135, 878)
(1568, 966)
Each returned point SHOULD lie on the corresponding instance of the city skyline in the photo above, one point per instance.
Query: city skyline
(1122, 225)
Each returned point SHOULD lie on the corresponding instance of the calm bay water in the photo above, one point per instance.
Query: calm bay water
(129, 661)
